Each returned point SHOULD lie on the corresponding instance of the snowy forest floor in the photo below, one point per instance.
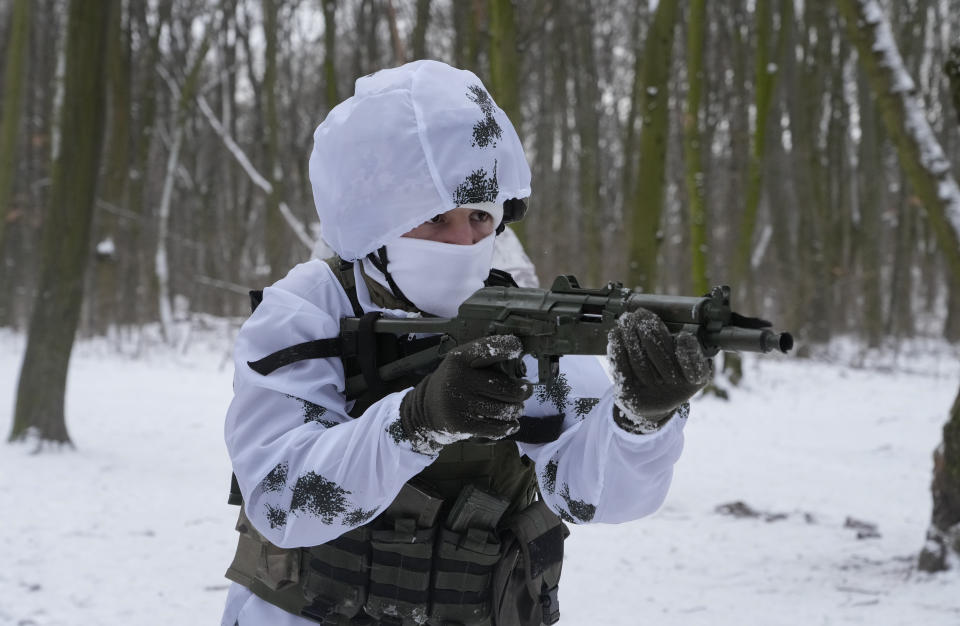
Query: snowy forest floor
(132, 526)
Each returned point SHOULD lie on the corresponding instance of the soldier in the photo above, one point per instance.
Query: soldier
(438, 498)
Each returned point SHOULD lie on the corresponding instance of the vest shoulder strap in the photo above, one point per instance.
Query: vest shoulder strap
(343, 270)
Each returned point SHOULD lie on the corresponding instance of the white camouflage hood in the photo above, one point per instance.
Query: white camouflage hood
(412, 142)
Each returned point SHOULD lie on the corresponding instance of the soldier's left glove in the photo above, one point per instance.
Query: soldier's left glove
(655, 373)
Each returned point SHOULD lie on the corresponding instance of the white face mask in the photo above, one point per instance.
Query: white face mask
(438, 277)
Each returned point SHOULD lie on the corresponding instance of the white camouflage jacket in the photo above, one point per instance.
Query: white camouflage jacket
(308, 472)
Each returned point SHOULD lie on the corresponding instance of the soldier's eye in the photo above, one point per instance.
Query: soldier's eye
(436, 219)
(481, 216)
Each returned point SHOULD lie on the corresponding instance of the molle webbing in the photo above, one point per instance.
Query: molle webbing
(324, 582)
(433, 556)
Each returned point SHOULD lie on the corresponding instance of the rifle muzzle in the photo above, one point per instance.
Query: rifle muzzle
(733, 339)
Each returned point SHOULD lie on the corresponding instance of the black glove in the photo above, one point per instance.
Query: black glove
(468, 395)
(654, 372)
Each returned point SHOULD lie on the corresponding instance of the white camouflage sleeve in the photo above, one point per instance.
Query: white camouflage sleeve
(307, 471)
(596, 471)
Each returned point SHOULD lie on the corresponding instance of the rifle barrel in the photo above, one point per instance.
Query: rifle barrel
(732, 338)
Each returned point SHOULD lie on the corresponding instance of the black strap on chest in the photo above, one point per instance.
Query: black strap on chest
(349, 283)
(316, 349)
(361, 345)
(367, 353)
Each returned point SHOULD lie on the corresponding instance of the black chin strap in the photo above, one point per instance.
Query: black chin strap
(379, 260)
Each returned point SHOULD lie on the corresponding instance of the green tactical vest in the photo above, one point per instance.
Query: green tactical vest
(465, 542)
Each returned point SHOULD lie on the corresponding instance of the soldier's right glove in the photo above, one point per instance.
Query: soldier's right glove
(655, 373)
(468, 395)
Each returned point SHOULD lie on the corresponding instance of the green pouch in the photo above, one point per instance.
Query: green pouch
(335, 575)
(462, 570)
(526, 579)
(400, 566)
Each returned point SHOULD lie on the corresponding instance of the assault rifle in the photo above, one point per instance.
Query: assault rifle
(568, 319)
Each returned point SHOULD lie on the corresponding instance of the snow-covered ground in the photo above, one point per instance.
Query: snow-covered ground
(132, 527)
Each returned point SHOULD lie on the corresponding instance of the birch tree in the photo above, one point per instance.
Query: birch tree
(184, 98)
(923, 160)
(930, 175)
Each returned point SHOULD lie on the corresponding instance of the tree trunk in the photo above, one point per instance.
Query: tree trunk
(648, 194)
(951, 329)
(544, 203)
(18, 41)
(65, 245)
(952, 70)
(921, 156)
(330, 52)
(132, 256)
(504, 60)
(587, 116)
(692, 138)
(930, 176)
(805, 111)
(468, 15)
(399, 54)
(943, 535)
(765, 79)
(627, 183)
(19, 254)
(106, 297)
(184, 98)
(835, 213)
(276, 243)
(420, 30)
(783, 212)
(870, 239)
(504, 71)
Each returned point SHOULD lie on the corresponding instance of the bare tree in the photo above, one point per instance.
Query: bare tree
(330, 52)
(65, 244)
(420, 29)
(692, 142)
(648, 193)
(930, 176)
(14, 74)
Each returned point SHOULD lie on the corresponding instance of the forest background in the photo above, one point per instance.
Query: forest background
(153, 157)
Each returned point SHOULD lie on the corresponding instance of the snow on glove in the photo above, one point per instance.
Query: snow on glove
(468, 395)
(654, 372)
